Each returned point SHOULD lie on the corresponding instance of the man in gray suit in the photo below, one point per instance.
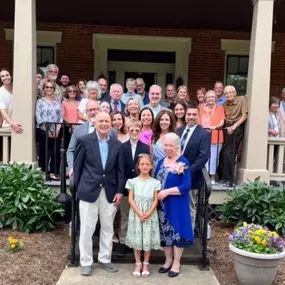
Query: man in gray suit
(92, 109)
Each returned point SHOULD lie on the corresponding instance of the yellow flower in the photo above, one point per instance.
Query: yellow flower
(258, 239)
(14, 241)
(244, 224)
(10, 239)
(264, 242)
(13, 245)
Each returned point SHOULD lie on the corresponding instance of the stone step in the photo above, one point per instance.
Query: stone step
(188, 275)
(191, 255)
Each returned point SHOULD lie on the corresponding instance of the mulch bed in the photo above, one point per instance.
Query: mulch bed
(222, 262)
(40, 263)
(45, 256)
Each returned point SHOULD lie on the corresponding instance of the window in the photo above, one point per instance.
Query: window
(237, 69)
(45, 56)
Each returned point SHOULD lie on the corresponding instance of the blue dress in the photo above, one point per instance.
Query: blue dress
(174, 211)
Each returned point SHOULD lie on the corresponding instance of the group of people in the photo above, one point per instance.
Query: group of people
(135, 154)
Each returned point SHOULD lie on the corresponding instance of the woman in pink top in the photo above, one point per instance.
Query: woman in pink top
(70, 113)
(147, 118)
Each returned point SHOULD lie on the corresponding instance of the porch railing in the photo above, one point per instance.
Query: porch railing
(275, 159)
(5, 140)
(202, 215)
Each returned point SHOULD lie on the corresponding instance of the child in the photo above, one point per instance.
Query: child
(143, 227)
(131, 150)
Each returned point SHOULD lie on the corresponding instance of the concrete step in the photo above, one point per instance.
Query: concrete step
(188, 275)
(191, 255)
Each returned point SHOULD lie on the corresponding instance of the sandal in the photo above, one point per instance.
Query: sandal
(145, 273)
(137, 274)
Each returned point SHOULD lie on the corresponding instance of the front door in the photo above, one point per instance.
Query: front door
(148, 77)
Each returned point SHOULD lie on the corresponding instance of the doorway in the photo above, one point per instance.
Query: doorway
(148, 77)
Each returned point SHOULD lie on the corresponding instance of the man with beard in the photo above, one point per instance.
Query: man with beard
(52, 74)
(64, 81)
(195, 146)
(141, 90)
(105, 96)
(170, 97)
(6, 102)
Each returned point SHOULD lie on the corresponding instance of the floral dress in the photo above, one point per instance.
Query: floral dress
(143, 236)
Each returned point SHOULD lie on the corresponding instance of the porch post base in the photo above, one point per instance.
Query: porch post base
(246, 175)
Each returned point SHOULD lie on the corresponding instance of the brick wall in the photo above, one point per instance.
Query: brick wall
(206, 63)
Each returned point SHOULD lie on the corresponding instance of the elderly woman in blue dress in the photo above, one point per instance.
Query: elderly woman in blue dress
(174, 214)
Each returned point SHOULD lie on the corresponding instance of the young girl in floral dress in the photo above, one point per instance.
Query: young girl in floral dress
(143, 226)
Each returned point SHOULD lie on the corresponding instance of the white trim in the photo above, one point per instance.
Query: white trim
(236, 47)
(44, 38)
(103, 42)
(160, 69)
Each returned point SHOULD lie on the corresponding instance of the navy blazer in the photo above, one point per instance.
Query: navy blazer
(89, 175)
(197, 152)
(130, 163)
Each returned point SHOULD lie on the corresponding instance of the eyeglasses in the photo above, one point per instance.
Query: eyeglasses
(71, 91)
(93, 109)
(48, 87)
(134, 130)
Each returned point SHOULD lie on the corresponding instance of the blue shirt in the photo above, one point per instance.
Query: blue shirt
(145, 98)
(104, 149)
(221, 101)
(119, 106)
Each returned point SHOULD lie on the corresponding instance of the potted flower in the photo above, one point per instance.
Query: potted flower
(257, 252)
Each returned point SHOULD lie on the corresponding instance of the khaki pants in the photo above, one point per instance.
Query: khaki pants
(88, 219)
(193, 206)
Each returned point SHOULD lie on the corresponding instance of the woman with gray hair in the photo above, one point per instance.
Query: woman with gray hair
(176, 232)
(94, 93)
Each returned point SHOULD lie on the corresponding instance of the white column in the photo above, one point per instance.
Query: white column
(23, 148)
(255, 139)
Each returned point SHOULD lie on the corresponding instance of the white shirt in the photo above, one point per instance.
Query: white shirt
(191, 130)
(82, 109)
(134, 147)
(6, 103)
(91, 128)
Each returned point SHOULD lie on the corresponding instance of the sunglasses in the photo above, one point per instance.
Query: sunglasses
(48, 87)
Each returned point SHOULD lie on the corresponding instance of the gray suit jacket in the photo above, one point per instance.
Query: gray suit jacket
(78, 132)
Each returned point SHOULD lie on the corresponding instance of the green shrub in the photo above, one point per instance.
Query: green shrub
(255, 202)
(26, 203)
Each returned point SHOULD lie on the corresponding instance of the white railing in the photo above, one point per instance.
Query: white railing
(5, 135)
(275, 159)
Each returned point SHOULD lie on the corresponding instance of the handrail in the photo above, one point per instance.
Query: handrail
(202, 214)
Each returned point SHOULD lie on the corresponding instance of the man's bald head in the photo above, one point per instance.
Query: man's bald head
(103, 124)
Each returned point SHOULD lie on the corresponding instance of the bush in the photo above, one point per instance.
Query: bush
(255, 202)
(26, 203)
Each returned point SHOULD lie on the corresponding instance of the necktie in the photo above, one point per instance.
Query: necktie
(115, 106)
(184, 139)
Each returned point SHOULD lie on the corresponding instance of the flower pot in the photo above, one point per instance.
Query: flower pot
(255, 268)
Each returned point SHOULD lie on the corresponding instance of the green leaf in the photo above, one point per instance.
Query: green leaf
(32, 220)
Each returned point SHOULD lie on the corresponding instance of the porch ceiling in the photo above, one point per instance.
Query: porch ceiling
(192, 14)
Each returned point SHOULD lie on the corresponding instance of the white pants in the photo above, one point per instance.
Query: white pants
(124, 209)
(88, 220)
(193, 206)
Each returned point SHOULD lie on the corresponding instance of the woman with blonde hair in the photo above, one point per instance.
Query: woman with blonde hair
(132, 109)
(200, 97)
(94, 93)
(183, 94)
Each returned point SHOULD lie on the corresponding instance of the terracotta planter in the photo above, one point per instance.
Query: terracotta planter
(255, 268)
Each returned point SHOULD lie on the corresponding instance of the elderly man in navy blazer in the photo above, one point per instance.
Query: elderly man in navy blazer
(100, 182)
(195, 146)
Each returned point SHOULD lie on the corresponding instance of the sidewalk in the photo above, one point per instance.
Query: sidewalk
(190, 274)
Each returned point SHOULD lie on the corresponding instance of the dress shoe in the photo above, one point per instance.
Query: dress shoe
(163, 269)
(86, 270)
(173, 274)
